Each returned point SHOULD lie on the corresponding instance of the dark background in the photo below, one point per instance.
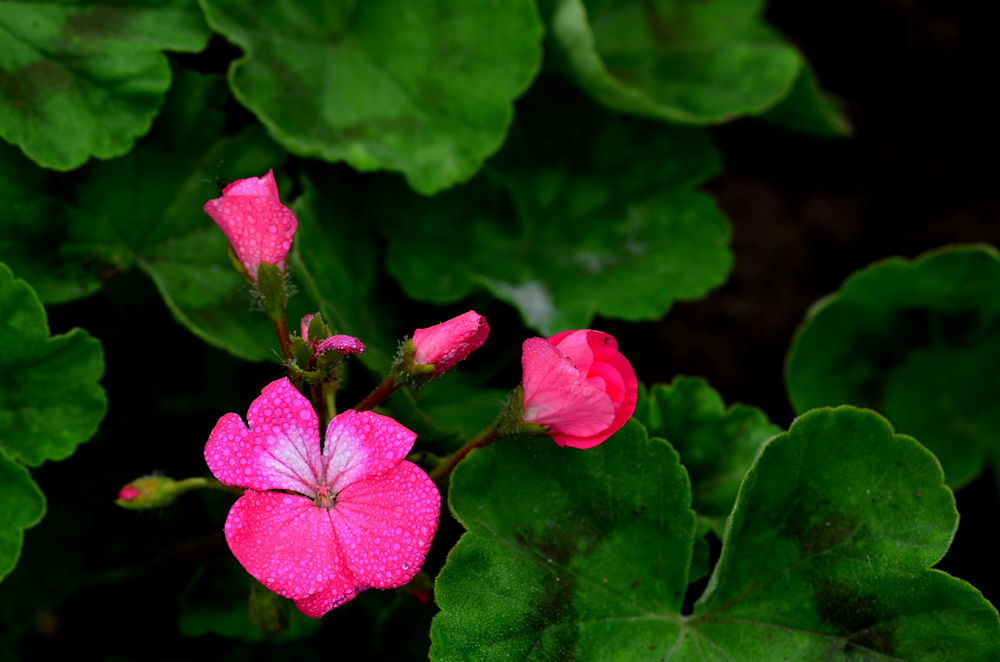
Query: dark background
(806, 212)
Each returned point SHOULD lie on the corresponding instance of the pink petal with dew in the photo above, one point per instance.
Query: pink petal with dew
(385, 525)
(279, 451)
(342, 344)
(264, 186)
(304, 326)
(329, 597)
(287, 543)
(445, 344)
(555, 393)
(359, 444)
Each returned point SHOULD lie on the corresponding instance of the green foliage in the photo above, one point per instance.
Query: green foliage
(826, 553)
(145, 210)
(919, 341)
(50, 402)
(586, 558)
(716, 445)
(424, 89)
(86, 79)
(564, 229)
(690, 62)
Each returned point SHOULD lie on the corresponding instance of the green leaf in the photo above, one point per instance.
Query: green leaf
(215, 602)
(424, 89)
(564, 229)
(336, 261)
(23, 506)
(919, 341)
(86, 79)
(716, 445)
(580, 554)
(809, 109)
(145, 209)
(827, 555)
(690, 62)
(50, 399)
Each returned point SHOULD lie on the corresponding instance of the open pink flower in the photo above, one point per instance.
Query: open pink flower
(352, 516)
(257, 225)
(447, 343)
(579, 385)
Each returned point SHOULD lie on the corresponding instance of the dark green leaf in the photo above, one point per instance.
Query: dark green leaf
(424, 89)
(50, 401)
(919, 341)
(716, 445)
(579, 554)
(809, 109)
(682, 61)
(86, 79)
(563, 229)
(336, 261)
(827, 553)
(23, 506)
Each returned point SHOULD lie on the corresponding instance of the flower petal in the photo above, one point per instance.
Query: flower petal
(341, 343)
(279, 451)
(557, 395)
(262, 186)
(385, 525)
(360, 444)
(445, 344)
(287, 543)
(329, 597)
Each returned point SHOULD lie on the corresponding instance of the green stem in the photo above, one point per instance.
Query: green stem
(484, 438)
(330, 399)
(207, 483)
(281, 328)
(380, 393)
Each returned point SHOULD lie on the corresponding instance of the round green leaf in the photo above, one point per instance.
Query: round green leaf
(918, 340)
(50, 399)
(145, 209)
(23, 506)
(692, 62)
(569, 554)
(716, 445)
(86, 79)
(827, 555)
(609, 227)
(425, 89)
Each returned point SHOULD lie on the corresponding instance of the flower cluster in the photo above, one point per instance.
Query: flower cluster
(322, 519)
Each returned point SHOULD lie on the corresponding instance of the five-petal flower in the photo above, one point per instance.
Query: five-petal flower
(318, 525)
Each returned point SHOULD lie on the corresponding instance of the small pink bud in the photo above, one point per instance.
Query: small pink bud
(445, 344)
(128, 493)
(340, 343)
(578, 385)
(258, 226)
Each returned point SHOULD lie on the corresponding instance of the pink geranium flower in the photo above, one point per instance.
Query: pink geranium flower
(350, 516)
(258, 226)
(447, 343)
(578, 385)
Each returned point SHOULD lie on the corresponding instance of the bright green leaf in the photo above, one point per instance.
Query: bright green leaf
(716, 445)
(86, 79)
(827, 553)
(23, 506)
(564, 229)
(917, 340)
(691, 62)
(423, 88)
(145, 209)
(50, 399)
(580, 554)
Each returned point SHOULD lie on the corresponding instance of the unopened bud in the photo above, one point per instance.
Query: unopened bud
(151, 492)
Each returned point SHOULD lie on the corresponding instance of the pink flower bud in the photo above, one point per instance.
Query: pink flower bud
(340, 343)
(445, 344)
(258, 226)
(128, 493)
(578, 385)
